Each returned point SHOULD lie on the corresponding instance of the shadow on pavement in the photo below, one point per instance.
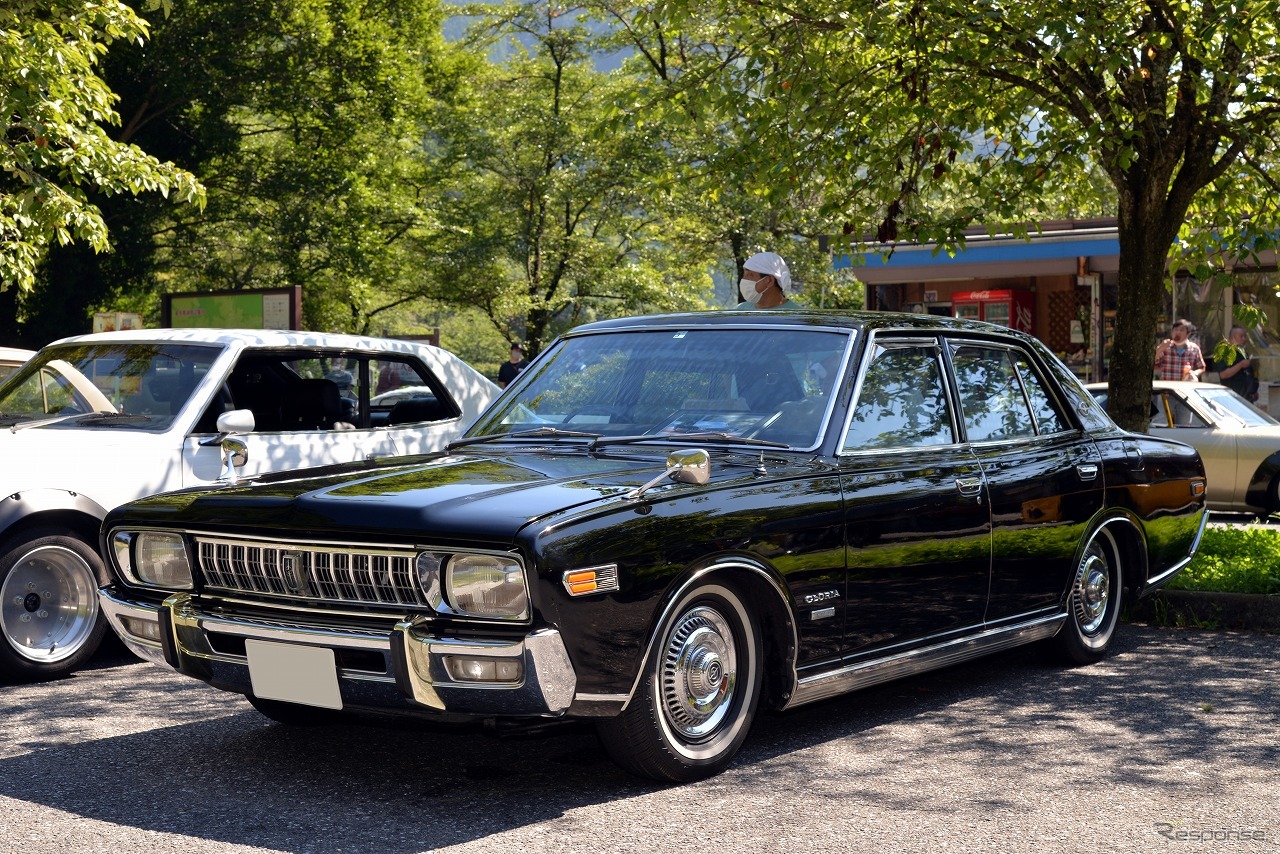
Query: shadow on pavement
(240, 779)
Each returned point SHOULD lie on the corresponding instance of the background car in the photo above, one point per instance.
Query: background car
(1239, 443)
(11, 358)
(96, 420)
(665, 524)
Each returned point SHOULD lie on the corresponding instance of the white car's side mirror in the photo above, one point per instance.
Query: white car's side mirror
(236, 421)
(235, 450)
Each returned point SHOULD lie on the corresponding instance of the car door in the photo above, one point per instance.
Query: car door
(307, 409)
(917, 526)
(1043, 476)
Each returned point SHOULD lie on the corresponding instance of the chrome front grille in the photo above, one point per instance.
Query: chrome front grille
(341, 575)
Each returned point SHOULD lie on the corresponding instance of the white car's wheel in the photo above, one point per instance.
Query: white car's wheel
(50, 623)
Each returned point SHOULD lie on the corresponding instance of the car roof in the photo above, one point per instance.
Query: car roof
(15, 353)
(282, 338)
(857, 320)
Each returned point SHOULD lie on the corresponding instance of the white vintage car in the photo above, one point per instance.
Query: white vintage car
(97, 420)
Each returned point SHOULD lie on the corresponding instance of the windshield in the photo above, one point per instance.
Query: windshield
(150, 381)
(767, 383)
(1224, 402)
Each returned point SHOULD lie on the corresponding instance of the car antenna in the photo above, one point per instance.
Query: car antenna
(760, 469)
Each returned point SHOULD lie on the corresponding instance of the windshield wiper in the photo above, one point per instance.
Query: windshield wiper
(535, 433)
(79, 416)
(708, 436)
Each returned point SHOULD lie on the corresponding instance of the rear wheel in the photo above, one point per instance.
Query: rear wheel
(50, 623)
(1093, 605)
(698, 693)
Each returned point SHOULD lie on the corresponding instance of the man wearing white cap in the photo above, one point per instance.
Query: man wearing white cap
(766, 282)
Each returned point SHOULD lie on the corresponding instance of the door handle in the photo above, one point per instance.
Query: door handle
(969, 486)
(1087, 471)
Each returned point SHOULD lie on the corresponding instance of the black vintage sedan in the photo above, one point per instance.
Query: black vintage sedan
(667, 524)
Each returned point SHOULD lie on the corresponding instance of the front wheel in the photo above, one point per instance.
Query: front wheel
(698, 693)
(1093, 605)
(49, 616)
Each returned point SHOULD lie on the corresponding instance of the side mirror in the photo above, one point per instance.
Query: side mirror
(235, 450)
(236, 421)
(692, 465)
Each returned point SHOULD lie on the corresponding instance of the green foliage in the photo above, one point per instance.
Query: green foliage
(915, 121)
(1234, 560)
(55, 149)
(553, 211)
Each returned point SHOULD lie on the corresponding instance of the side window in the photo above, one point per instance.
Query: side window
(902, 402)
(991, 396)
(404, 394)
(1048, 419)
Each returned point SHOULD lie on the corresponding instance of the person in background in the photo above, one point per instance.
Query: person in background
(1178, 357)
(1235, 368)
(765, 282)
(512, 368)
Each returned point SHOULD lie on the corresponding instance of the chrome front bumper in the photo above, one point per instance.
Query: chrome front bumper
(403, 669)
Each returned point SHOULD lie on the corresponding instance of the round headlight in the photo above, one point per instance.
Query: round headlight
(161, 559)
(486, 586)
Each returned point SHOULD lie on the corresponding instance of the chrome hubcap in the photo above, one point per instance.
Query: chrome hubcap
(48, 604)
(1092, 592)
(698, 673)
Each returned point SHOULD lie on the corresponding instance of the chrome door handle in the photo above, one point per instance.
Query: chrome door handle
(1087, 471)
(969, 485)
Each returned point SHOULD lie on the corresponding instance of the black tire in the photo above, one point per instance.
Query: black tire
(1093, 603)
(50, 622)
(698, 694)
(294, 714)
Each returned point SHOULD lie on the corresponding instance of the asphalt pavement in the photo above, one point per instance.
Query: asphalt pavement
(1170, 744)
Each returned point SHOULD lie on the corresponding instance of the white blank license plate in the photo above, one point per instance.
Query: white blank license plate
(293, 674)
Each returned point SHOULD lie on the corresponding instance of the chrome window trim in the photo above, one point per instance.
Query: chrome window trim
(909, 338)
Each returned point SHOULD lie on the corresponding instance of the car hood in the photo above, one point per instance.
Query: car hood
(44, 456)
(473, 496)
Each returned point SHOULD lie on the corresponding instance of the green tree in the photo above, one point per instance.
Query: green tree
(555, 211)
(56, 148)
(720, 199)
(304, 120)
(918, 120)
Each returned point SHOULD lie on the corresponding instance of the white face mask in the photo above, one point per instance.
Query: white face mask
(749, 292)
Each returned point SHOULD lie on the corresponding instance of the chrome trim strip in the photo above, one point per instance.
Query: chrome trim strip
(867, 673)
(245, 628)
(675, 597)
(600, 698)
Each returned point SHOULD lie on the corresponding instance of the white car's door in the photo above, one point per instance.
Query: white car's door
(280, 451)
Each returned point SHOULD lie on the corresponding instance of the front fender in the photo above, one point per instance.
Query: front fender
(22, 505)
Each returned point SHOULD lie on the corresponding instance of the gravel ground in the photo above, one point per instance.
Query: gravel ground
(1169, 744)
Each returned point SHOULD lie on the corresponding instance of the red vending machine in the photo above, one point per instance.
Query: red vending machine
(1014, 309)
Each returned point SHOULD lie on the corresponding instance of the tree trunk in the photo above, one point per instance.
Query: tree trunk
(1145, 237)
